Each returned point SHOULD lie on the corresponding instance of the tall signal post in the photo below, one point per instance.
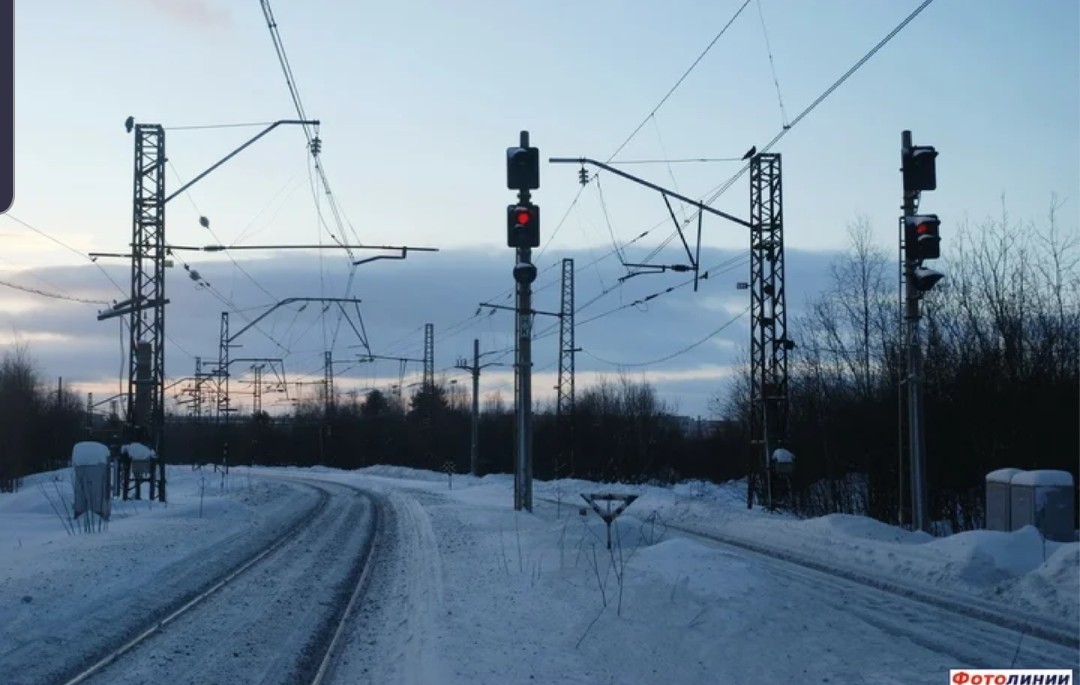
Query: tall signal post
(523, 234)
(920, 241)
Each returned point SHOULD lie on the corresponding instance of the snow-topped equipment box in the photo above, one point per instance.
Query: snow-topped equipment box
(142, 459)
(999, 499)
(783, 461)
(1046, 500)
(90, 478)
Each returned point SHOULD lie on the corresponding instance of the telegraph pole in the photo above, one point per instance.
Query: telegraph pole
(523, 234)
(919, 234)
(474, 371)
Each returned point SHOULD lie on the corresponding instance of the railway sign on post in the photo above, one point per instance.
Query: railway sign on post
(607, 513)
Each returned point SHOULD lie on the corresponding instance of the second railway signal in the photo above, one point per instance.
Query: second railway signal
(921, 239)
(523, 225)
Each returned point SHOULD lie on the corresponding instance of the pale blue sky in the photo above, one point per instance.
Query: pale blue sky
(419, 99)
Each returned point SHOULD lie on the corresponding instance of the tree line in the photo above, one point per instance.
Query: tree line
(1001, 346)
(620, 431)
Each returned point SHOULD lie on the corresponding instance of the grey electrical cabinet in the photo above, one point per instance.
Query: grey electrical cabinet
(998, 499)
(1044, 499)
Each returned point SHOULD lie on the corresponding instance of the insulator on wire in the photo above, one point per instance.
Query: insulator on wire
(583, 175)
(316, 146)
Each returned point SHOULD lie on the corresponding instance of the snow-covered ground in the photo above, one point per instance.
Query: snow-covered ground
(465, 590)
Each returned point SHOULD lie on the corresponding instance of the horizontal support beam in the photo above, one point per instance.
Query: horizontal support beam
(514, 309)
(334, 246)
(268, 129)
(128, 309)
(640, 181)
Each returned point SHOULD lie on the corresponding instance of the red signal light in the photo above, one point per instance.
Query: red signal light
(523, 217)
(923, 228)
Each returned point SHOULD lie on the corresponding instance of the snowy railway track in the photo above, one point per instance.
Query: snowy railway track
(969, 629)
(277, 617)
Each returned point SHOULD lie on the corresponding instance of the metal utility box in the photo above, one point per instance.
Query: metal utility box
(1044, 499)
(783, 461)
(998, 499)
(90, 478)
(142, 459)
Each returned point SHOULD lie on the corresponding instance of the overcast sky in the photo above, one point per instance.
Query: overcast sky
(418, 101)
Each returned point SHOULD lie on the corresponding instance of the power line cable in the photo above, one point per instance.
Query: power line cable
(681, 79)
(56, 296)
(715, 194)
(678, 353)
(772, 65)
(64, 245)
(821, 98)
(191, 199)
(203, 127)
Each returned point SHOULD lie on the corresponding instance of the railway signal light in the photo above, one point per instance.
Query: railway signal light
(925, 279)
(919, 168)
(921, 237)
(522, 168)
(523, 225)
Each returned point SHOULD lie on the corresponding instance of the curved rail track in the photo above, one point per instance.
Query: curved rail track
(277, 617)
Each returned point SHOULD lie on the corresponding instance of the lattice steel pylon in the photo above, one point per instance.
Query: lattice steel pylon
(148, 290)
(222, 372)
(429, 357)
(564, 400)
(769, 344)
(328, 383)
(428, 390)
(256, 400)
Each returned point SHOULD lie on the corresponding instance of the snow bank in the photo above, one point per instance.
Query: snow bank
(862, 527)
(704, 571)
(403, 472)
(89, 453)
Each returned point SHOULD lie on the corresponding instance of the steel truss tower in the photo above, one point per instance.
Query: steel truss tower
(198, 389)
(429, 357)
(222, 373)
(427, 389)
(256, 400)
(564, 402)
(148, 285)
(769, 344)
(328, 383)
